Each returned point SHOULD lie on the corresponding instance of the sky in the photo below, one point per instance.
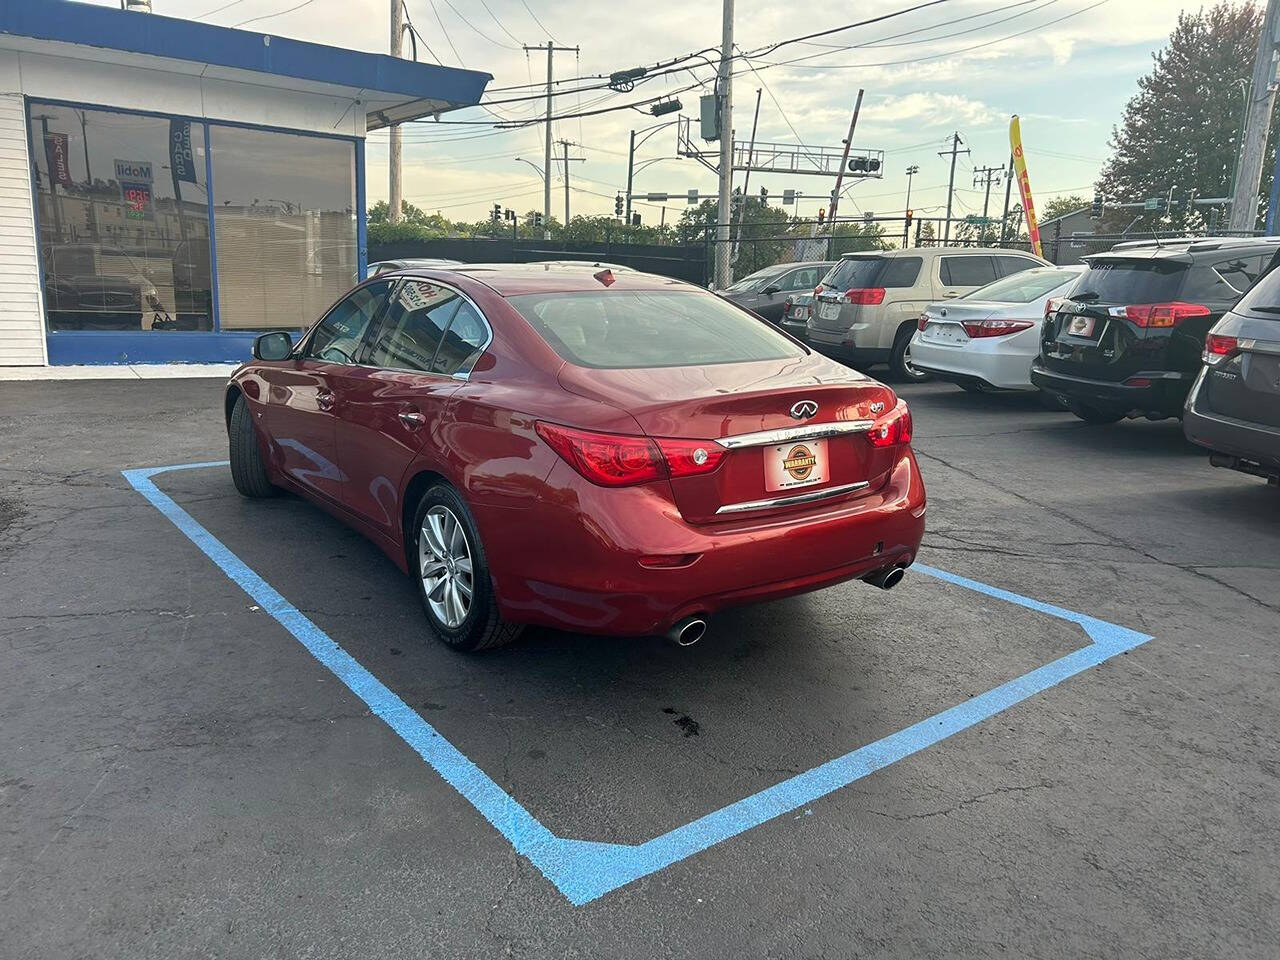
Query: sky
(1066, 67)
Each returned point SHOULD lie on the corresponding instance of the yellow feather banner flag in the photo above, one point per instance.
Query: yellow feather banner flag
(1024, 184)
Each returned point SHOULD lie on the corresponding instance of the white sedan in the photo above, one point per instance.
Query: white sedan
(988, 338)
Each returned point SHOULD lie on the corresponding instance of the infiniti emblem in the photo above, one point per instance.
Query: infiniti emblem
(804, 409)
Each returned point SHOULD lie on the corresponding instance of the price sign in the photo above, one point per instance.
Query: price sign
(137, 200)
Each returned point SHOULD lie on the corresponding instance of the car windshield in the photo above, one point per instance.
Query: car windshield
(753, 282)
(1023, 287)
(629, 329)
(854, 272)
(1131, 281)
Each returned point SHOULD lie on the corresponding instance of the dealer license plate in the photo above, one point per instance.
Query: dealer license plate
(828, 311)
(1081, 326)
(798, 464)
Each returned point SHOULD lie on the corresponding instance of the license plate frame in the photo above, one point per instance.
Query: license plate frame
(828, 311)
(1081, 326)
(801, 463)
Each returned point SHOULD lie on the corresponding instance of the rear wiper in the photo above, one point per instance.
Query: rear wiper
(1085, 296)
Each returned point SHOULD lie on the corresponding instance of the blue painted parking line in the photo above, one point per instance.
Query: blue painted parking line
(582, 869)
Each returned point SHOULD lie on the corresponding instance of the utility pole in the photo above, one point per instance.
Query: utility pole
(951, 183)
(566, 144)
(395, 192)
(906, 224)
(550, 48)
(746, 179)
(987, 176)
(1008, 192)
(724, 92)
(631, 168)
(1244, 200)
(844, 161)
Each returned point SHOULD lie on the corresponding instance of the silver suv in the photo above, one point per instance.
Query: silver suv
(867, 306)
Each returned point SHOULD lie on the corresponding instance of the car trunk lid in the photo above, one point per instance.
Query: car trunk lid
(1243, 379)
(771, 452)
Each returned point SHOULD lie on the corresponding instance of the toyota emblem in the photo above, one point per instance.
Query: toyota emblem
(804, 409)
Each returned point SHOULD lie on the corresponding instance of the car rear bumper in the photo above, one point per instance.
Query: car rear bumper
(1257, 445)
(835, 344)
(582, 568)
(1003, 362)
(1165, 394)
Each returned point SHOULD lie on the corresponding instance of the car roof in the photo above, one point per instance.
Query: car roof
(514, 279)
(1185, 248)
(939, 251)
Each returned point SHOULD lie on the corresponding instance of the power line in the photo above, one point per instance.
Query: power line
(218, 9)
(496, 43)
(268, 16)
(539, 23)
(500, 24)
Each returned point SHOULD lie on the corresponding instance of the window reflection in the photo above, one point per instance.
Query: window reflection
(124, 220)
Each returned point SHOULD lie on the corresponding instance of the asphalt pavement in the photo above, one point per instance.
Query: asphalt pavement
(180, 776)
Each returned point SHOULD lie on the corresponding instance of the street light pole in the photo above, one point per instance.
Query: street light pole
(906, 224)
(631, 169)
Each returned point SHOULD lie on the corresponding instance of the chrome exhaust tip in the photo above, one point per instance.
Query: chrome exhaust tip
(688, 630)
(886, 578)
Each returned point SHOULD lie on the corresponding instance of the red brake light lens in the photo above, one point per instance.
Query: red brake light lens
(817, 290)
(1164, 314)
(865, 296)
(893, 428)
(922, 322)
(1218, 347)
(1051, 306)
(996, 328)
(619, 460)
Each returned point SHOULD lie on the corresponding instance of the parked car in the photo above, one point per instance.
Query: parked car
(388, 266)
(867, 307)
(1128, 340)
(765, 292)
(986, 340)
(613, 453)
(1234, 405)
(796, 311)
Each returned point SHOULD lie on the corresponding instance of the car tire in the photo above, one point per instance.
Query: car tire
(248, 472)
(1098, 415)
(444, 539)
(900, 357)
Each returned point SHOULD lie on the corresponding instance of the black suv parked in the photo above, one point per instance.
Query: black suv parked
(1234, 407)
(1128, 341)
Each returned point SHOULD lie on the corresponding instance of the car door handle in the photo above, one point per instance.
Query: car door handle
(412, 420)
(324, 400)
(951, 294)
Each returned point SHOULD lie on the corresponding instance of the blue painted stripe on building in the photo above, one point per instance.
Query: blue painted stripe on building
(159, 36)
(584, 870)
(147, 346)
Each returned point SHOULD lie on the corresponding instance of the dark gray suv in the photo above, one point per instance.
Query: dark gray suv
(1234, 405)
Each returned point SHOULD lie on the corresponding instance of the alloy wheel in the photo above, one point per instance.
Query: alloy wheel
(445, 567)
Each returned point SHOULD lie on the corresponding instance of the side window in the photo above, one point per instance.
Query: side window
(805, 279)
(414, 325)
(462, 342)
(967, 271)
(901, 272)
(1011, 265)
(338, 336)
(1242, 272)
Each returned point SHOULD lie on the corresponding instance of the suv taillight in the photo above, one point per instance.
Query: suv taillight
(1217, 348)
(621, 460)
(865, 296)
(1161, 314)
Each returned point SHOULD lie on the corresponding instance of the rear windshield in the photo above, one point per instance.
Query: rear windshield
(1131, 281)
(1022, 287)
(854, 273)
(1263, 300)
(754, 281)
(650, 328)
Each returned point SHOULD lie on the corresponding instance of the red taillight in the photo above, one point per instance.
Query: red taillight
(619, 460)
(1164, 314)
(1051, 306)
(817, 290)
(1138, 382)
(996, 328)
(787, 304)
(1218, 347)
(893, 428)
(922, 322)
(865, 296)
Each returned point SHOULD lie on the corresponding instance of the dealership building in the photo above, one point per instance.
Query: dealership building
(169, 189)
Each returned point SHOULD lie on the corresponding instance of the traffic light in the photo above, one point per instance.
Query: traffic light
(764, 194)
(911, 215)
(822, 214)
(617, 205)
(864, 165)
(1096, 212)
(635, 219)
(537, 219)
(496, 214)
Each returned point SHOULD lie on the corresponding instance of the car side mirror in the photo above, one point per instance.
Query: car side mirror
(771, 289)
(273, 346)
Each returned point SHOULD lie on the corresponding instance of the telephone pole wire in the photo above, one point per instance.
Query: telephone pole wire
(987, 176)
(566, 144)
(550, 48)
(951, 183)
(1244, 200)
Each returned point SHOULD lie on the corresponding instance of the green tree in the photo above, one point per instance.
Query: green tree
(857, 237)
(1060, 206)
(764, 239)
(1180, 130)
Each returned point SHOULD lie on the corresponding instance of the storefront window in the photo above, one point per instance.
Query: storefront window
(124, 220)
(284, 226)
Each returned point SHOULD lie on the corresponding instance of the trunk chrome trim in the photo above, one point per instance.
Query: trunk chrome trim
(814, 431)
(824, 494)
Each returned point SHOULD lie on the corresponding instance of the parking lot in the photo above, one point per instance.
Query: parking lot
(191, 771)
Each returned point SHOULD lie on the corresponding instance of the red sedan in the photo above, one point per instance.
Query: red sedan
(608, 452)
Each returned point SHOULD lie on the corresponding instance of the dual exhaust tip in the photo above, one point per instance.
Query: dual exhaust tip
(687, 631)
